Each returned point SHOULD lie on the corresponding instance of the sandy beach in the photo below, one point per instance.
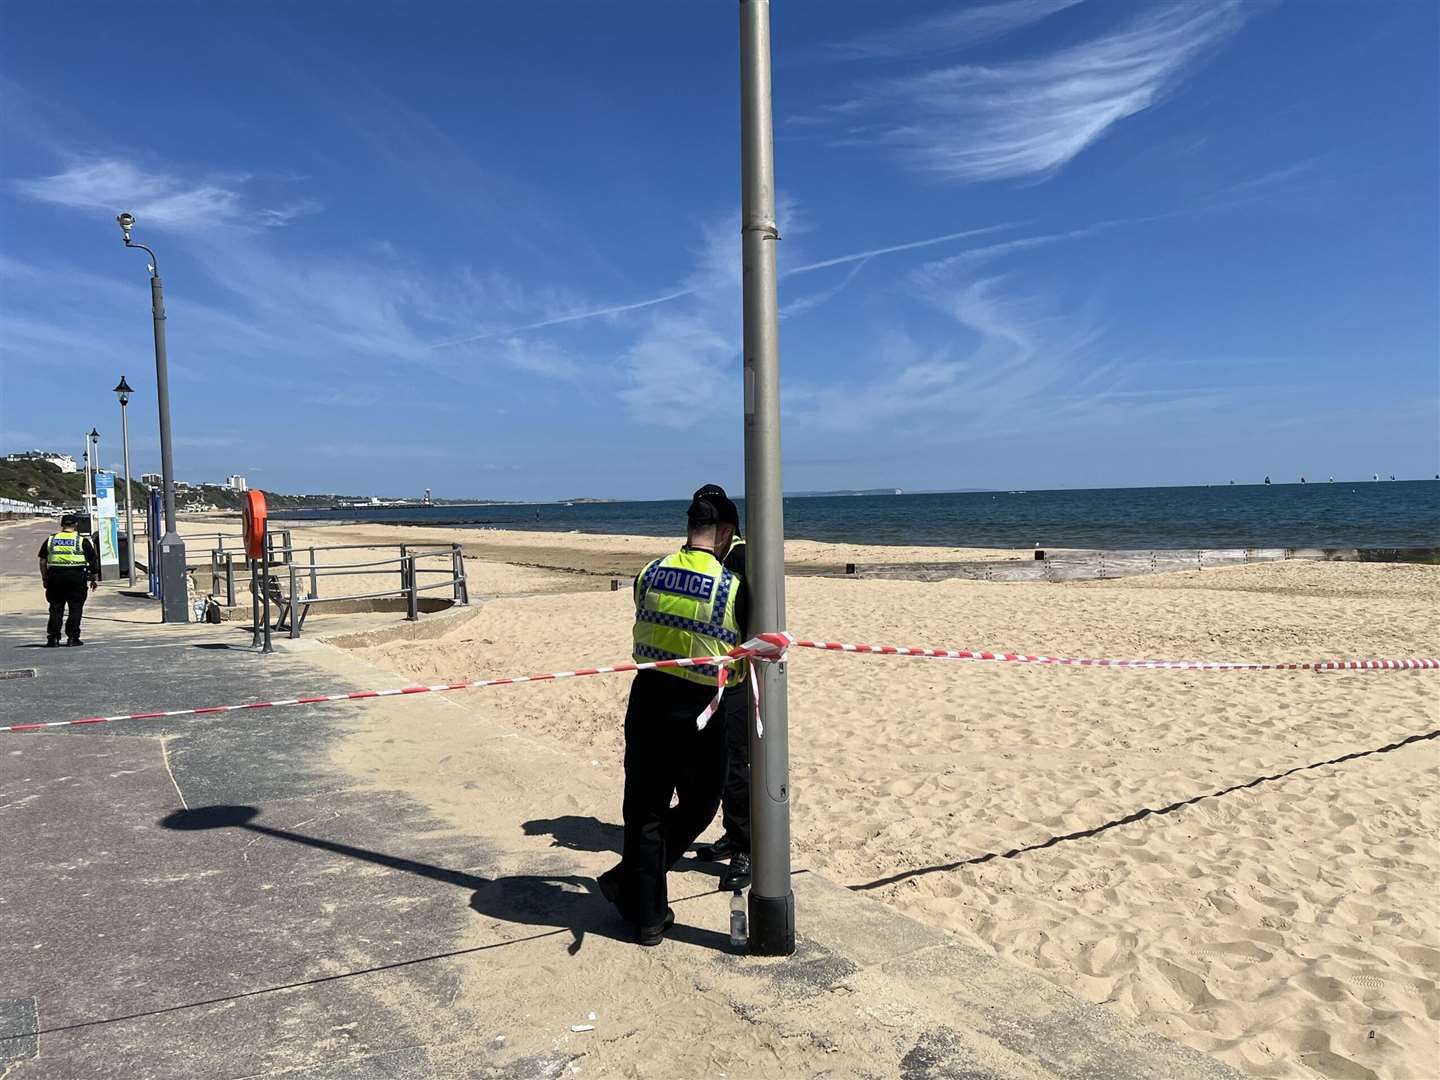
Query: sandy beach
(1290, 927)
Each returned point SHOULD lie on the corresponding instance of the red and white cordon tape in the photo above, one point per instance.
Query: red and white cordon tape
(755, 649)
(1407, 664)
(765, 648)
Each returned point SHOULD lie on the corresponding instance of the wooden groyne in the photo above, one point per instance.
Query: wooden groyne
(1085, 565)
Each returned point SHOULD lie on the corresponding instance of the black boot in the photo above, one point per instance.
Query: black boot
(653, 935)
(737, 875)
(719, 851)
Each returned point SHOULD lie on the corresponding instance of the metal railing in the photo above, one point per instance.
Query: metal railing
(304, 571)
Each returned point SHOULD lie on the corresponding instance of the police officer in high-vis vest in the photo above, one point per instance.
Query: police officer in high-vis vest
(68, 563)
(685, 606)
(734, 844)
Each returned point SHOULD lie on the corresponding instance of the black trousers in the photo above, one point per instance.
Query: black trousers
(735, 802)
(65, 588)
(665, 756)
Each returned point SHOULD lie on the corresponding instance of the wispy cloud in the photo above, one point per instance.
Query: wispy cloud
(1027, 118)
(156, 198)
(1014, 363)
(893, 249)
(951, 31)
(1293, 183)
(676, 372)
(718, 269)
(810, 301)
(569, 317)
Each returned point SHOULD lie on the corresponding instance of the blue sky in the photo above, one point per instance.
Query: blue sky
(493, 249)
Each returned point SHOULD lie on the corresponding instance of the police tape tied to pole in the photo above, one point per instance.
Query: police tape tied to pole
(766, 649)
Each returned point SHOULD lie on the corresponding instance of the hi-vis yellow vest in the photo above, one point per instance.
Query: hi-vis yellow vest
(685, 607)
(65, 549)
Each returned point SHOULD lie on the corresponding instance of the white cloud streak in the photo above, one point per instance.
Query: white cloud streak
(676, 372)
(574, 316)
(157, 199)
(718, 270)
(810, 301)
(913, 245)
(1028, 118)
(951, 31)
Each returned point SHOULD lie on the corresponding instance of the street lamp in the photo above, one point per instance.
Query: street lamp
(772, 901)
(92, 454)
(123, 391)
(174, 606)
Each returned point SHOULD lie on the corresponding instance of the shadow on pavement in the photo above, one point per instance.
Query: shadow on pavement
(578, 833)
(564, 901)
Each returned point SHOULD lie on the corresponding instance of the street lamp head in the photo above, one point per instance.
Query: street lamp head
(94, 434)
(124, 390)
(127, 222)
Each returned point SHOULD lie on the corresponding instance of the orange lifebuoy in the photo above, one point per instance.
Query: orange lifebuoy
(255, 515)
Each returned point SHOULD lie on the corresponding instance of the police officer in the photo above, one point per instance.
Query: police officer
(734, 844)
(685, 606)
(68, 562)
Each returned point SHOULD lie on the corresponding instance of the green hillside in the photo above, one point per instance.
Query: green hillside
(40, 481)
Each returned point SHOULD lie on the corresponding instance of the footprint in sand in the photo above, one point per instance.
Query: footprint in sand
(1236, 953)
(1112, 953)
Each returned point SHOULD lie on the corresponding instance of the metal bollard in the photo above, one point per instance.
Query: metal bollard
(314, 581)
(462, 582)
(294, 607)
(265, 589)
(229, 579)
(407, 568)
(254, 607)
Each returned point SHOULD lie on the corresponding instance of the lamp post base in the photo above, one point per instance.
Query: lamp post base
(772, 925)
(174, 588)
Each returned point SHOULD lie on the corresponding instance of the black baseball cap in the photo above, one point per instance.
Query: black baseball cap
(69, 519)
(725, 511)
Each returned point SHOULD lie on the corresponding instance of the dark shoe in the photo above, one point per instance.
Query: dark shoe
(75, 641)
(653, 935)
(51, 643)
(609, 883)
(737, 876)
(719, 851)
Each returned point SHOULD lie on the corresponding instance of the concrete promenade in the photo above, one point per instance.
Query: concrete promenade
(236, 897)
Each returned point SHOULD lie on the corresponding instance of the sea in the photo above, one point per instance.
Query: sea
(1359, 514)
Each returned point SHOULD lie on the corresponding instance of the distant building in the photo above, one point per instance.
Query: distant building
(427, 496)
(150, 479)
(64, 462)
(236, 482)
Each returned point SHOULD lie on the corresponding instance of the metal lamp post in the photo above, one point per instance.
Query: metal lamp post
(174, 604)
(85, 484)
(123, 391)
(772, 902)
(92, 455)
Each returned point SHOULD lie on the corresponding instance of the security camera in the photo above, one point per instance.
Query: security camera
(127, 222)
